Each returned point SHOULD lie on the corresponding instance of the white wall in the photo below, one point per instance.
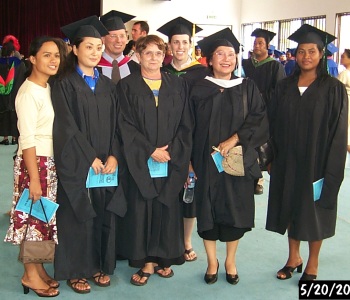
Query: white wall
(157, 13)
(268, 10)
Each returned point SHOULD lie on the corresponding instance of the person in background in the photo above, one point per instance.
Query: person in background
(34, 166)
(198, 56)
(179, 32)
(155, 124)
(309, 130)
(290, 64)
(84, 140)
(16, 44)
(344, 77)
(115, 42)
(265, 72)
(139, 29)
(12, 75)
(332, 66)
(225, 203)
(168, 55)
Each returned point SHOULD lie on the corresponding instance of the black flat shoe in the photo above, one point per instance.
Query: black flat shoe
(5, 142)
(211, 278)
(14, 142)
(307, 277)
(232, 279)
(288, 271)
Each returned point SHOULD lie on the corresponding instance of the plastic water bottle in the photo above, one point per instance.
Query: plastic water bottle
(189, 191)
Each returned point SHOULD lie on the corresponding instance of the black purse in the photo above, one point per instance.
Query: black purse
(36, 251)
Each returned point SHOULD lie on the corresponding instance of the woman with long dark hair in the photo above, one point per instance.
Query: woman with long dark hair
(34, 166)
(84, 138)
(310, 134)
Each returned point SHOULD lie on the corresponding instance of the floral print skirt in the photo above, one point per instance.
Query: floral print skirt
(37, 229)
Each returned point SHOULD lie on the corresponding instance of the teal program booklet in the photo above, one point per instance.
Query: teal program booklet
(217, 157)
(24, 204)
(157, 169)
(101, 180)
(317, 187)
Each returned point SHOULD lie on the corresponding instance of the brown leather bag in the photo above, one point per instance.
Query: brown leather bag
(36, 251)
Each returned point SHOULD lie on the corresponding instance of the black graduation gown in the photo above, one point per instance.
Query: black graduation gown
(222, 198)
(152, 229)
(310, 133)
(191, 74)
(84, 128)
(8, 116)
(266, 77)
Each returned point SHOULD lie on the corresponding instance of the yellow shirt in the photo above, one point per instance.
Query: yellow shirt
(154, 85)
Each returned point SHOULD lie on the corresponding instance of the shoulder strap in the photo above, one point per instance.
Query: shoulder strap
(245, 98)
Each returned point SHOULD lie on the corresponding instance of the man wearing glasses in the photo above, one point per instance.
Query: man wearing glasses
(113, 63)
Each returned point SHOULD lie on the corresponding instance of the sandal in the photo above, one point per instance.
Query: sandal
(188, 252)
(307, 277)
(141, 275)
(97, 279)
(73, 285)
(287, 271)
(158, 268)
(52, 283)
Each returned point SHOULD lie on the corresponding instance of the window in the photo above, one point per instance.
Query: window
(283, 29)
(342, 33)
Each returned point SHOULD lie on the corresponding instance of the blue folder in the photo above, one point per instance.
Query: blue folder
(101, 180)
(217, 157)
(24, 204)
(317, 187)
(157, 169)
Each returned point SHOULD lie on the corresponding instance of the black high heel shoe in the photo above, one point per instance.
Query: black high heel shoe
(5, 142)
(232, 279)
(211, 278)
(41, 292)
(288, 271)
(307, 277)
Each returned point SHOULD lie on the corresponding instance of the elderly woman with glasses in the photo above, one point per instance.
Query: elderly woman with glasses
(228, 112)
(156, 131)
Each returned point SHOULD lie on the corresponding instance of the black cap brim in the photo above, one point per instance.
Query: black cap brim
(267, 35)
(310, 34)
(88, 27)
(223, 37)
(178, 25)
(115, 20)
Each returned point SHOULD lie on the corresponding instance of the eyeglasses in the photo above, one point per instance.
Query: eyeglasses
(222, 54)
(150, 54)
(120, 36)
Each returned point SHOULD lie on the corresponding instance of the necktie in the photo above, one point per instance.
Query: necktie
(115, 72)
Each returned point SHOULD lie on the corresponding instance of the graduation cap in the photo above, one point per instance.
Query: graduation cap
(271, 49)
(310, 34)
(179, 25)
(278, 53)
(331, 49)
(224, 37)
(292, 51)
(88, 27)
(114, 20)
(267, 35)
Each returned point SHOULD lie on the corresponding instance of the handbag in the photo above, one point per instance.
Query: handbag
(36, 251)
(233, 162)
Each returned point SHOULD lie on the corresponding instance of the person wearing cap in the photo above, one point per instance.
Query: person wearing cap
(280, 56)
(84, 139)
(155, 124)
(290, 64)
(309, 129)
(179, 32)
(265, 71)
(34, 165)
(344, 77)
(115, 43)
(228, 112)
(332, 66)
